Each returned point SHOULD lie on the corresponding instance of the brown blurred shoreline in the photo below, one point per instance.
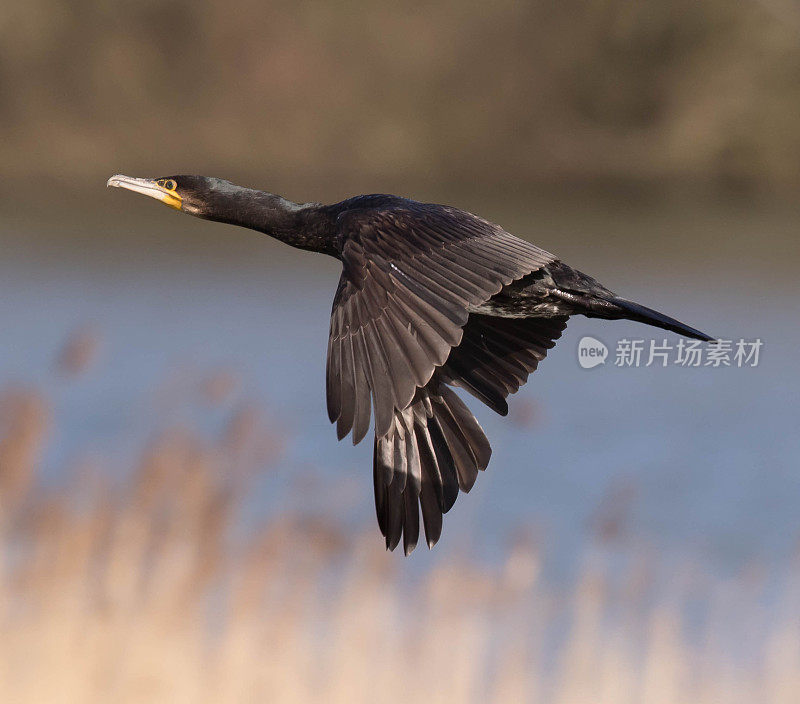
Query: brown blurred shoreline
(510, 97)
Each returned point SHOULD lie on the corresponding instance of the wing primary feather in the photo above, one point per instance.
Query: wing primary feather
(400, 456)
(378, 373)
(362, 387)
(431, 513)
(333, 384)
(410, 521)
(405, 423)
(472, 430)
(429, 463)
(348, 386)
(394, 516)
(465, 462)
(444, 460)
(379, 485)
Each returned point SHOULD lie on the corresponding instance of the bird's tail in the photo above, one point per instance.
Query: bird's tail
(628, 310)
(588, 297)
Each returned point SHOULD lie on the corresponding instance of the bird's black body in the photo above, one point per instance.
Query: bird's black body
(430, 298)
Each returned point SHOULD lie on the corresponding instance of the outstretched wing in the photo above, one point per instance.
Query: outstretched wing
(410, 274)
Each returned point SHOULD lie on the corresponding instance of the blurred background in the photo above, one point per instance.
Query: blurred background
(177, 520)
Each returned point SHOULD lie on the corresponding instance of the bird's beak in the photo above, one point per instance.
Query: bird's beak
(147, 187)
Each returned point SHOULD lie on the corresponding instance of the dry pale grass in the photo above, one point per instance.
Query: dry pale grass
(151, 591)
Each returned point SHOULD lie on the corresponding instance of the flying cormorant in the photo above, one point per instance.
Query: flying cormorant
(430, 297)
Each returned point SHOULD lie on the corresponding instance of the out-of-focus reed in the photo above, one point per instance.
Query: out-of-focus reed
(150, 590)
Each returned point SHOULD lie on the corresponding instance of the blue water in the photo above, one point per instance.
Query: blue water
(700, 460)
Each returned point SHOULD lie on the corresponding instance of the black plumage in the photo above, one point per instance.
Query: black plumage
(430, 298)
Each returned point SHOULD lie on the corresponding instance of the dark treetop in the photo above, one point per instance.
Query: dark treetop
(430, 297)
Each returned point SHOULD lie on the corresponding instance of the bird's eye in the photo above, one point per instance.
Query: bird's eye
(170, 185)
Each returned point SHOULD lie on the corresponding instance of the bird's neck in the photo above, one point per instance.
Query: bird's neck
(299, 225)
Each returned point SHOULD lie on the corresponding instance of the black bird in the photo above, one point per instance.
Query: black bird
(430, 297)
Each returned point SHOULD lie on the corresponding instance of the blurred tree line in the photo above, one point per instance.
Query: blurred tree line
(494, 93)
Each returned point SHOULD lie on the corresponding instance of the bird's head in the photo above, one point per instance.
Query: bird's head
(222, 201)
(191, 194)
